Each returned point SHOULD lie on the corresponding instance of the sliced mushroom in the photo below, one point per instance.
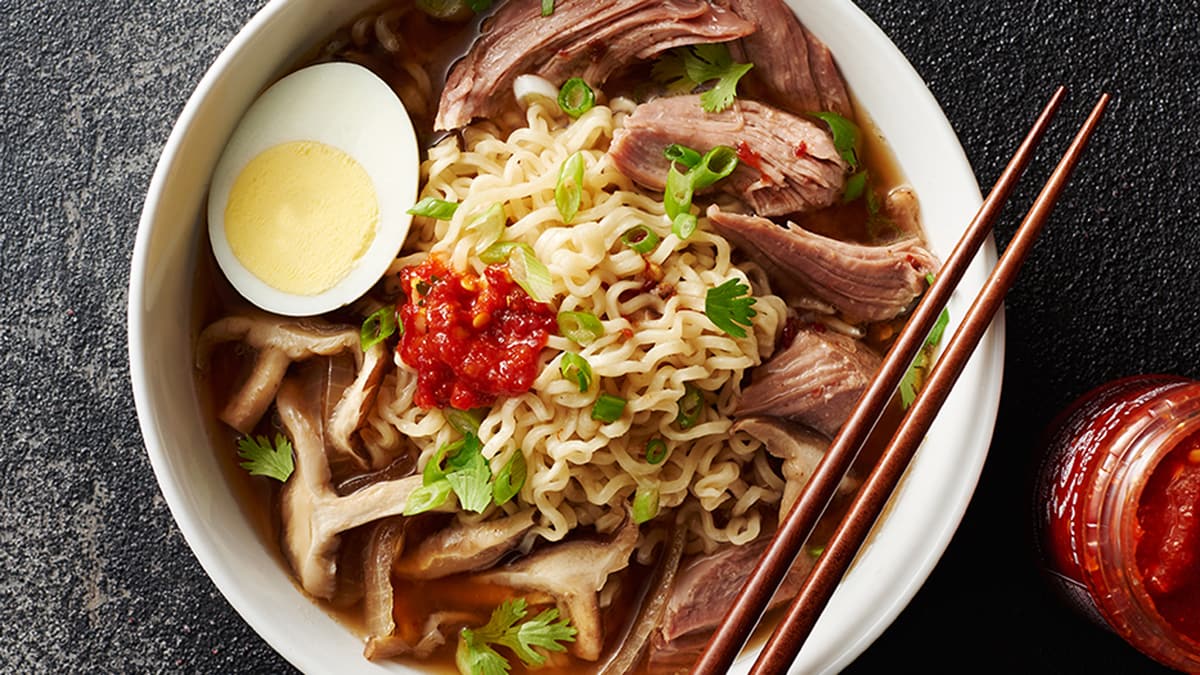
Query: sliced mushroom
(432, 637)
(464, 547)
(313, 514)
(279, 341)
(799, 448)
(573, 572)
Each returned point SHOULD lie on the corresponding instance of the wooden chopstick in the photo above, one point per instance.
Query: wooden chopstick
(727, 641)
(791, 633)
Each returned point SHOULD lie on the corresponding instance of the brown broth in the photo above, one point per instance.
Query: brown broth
(440, 44)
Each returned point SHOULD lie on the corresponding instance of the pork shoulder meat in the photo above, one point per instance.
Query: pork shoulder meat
(869, 283)
(796, 167)
(582, 38)
(802, 76)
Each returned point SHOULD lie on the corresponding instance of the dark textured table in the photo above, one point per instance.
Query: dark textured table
(97, 578)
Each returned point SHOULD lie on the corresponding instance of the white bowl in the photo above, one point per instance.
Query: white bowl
(246, 569)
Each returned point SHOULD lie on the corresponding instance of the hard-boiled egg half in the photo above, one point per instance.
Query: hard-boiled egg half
(307, 207)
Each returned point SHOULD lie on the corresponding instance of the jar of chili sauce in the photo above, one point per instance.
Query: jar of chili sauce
(1119, 512)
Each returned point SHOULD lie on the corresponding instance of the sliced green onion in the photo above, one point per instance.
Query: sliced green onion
(656, 451)
(845, 136)
(510, 479)
(547, 7)
(432, 207)
(645, 504)
(677, 198)
(640, 238)
(580, 327)
(855, 186)
(531, 274)
(608, 408)
(575, 367)
(682, 154)
(427, 497)
(690, 407)
(684, 225)
(463, 421)
(433, 471)
(378, 327)
(568, 193)
(575, 97)
(715, 165)
(816, 551)
(488, 227)
(500, 251)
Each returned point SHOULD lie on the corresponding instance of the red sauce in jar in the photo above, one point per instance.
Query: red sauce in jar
(1119, 513)
(470, 338)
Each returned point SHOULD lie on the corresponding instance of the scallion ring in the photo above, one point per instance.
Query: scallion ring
(684, 225)
(608, 408)
(488, 227)
(378, 327)
(641, 239)
(511, 478)
(463, 421)
(499, 252)
(690, 407)
(716, 164)
(576, 368)
(580, 327)
(568, 192)
(575, 97)
(432, 207)
(531, 274)
(656, 451)
(677, 198)
(645, 504)
(682, 154)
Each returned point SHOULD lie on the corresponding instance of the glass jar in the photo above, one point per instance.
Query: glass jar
(1118, 512)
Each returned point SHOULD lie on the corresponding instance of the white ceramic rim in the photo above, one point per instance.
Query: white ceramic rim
(904, 548)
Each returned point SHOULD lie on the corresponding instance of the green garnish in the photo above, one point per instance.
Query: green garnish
(640, 238)
(677, 196)
(466, 473)
(608, 408)
(682, 154)
(914, 379)
(582, 328)
(488, 227)
(510, 479)
(547, 7)
(856, 185)
(845, 136)
(685, 225)
(476, 654)
(645, 504)
(656, 451)
(816, 551)
(500, 251)
(530, 274)
(728, 305)
(685, 68)
(378, 327)
(691, 405)
(479, 6)
(575, 367)
(568, 192)
(432, 207)
(716, 164)
(464, 421)
(575, 97)
(264, 459)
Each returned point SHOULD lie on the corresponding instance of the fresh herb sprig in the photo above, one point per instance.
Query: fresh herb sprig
(466, 473)
(729, 305)
(685, 68)
(914, 379)
(477, 655)
(264, 459)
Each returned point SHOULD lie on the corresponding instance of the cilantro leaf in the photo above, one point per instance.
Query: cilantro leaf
(472, 483)
(685, 68)
(728, 305)
(263, 459)
(466, 473)
(476, 656)
(846, 136)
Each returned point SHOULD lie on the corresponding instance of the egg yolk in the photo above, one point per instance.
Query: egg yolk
(300, 215)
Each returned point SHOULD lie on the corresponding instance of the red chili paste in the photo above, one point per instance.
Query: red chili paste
(470, 338)
(1169, 545)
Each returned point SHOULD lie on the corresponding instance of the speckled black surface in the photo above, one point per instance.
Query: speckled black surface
(95, 575)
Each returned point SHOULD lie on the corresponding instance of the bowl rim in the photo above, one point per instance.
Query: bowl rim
(934, 538)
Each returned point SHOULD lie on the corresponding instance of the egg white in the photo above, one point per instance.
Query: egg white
(349, 108)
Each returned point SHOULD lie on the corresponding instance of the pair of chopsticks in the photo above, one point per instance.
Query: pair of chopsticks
(779, 652)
